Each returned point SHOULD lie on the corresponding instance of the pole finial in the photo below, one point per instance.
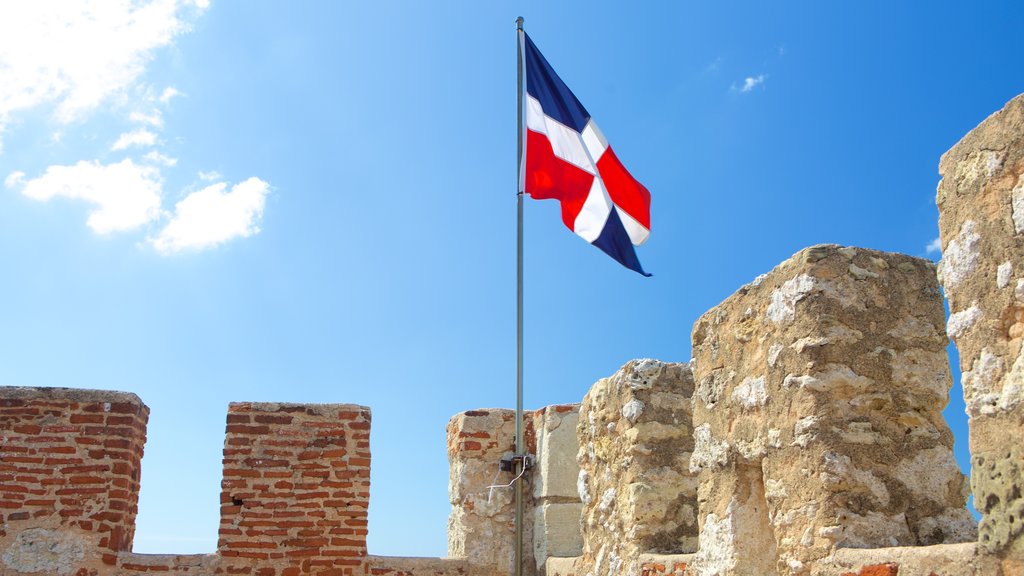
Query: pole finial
(519, 23)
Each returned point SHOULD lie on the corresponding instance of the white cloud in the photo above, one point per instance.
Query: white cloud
(77, 54)
(126, 195)
(751, 82)
(14, 179)
(158, 158)
(154, 119)
(209, 176)
(168, 93)
(213, 216)
(140, 137)
(934, 246)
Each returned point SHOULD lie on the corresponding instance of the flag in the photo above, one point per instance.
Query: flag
(568, 159)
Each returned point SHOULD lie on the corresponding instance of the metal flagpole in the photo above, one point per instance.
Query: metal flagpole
(520, 448)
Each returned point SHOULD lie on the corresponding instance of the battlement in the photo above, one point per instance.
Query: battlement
(806, 438)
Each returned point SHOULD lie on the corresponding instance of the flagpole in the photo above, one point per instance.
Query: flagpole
(520, 448)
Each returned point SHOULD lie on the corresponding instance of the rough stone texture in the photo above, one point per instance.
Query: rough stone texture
(635, 443)
(817, 415)
(936, 560)
(400, 566)
(981, 222)
(481, 525)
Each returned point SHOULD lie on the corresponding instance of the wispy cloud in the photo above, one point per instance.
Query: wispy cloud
(933, 247)
(140, 137)
(168, 93)
(751, 82)
(102, 50)
(155, 118)
(126, 195)
(158, 158)
(213, 216)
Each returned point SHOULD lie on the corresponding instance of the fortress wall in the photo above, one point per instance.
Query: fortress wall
(294, 500)
(981, 223)
(296, 488)
(69, 476)
(635, 440)
(481, 526)
(818, 415)
(481, 523)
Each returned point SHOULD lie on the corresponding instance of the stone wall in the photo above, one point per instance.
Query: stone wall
(818, 415)
(556, 500)
(981, 223)
(635, 442)
(481, 523)
(482, 520)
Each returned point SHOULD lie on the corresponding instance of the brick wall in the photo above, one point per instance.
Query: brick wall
(294, 497)
(69, 470)
(296, 489)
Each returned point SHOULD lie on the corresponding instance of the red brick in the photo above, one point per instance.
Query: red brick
(242, 429)
(887, 569)
(272, 419)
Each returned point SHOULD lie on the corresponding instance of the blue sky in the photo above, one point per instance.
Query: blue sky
(207, 202)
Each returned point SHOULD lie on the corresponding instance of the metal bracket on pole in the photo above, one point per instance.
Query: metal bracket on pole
(511, 462)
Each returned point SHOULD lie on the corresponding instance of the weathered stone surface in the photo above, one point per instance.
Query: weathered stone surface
(981, 223)
(481, 525)
(817, 415)
(46, 551)
(635, 444)
(555, 476)
(557, 508)
(936, 560)
(556, 531)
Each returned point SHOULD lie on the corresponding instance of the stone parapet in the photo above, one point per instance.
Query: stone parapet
(818, 415)
(402, 566)
(637, 492)
(981, 224)
(481, 525)
(935, 560)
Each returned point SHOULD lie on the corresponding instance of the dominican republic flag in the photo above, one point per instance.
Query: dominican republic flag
(568, 159)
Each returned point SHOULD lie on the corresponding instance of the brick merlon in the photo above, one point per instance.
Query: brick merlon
(80, 395)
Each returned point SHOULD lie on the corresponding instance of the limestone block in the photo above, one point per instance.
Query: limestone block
(818, 415)
(637, 491)
(557, 470)
(481, 526)
(981, 224)
(556, 531)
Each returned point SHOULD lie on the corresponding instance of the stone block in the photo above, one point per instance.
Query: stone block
(637, 491)
(556, 531)
(981, 224)
(557, 470)
(818, 415)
